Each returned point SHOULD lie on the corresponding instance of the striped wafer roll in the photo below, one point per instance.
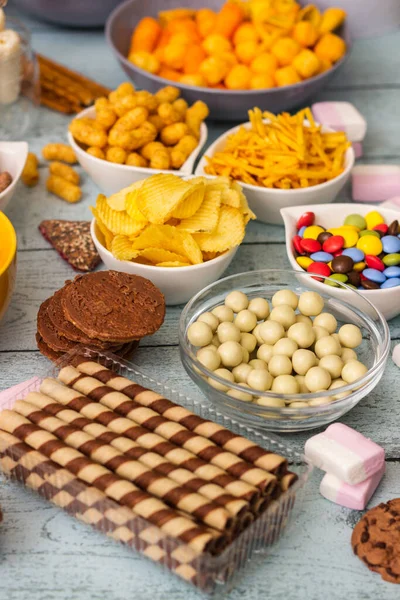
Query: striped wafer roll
(176, 433)
(147, 439)
(133, 450)
(169, 491)
(244, 448)
(121, 490)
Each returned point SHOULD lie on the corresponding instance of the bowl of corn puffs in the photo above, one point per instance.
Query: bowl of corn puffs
(231, 54)
(281, 161)
(133, 134)
(12, 160)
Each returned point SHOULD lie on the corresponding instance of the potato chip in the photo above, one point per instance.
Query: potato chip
(218, 183)
(106, 233)
(193, 201)
(206, 218)
(117, 201)
(175, 263)
(132, 208)
(121, 248)
(169, 238)
(246, 210)
(159, 255)
(118, 222)
(230, 198)
(228, 234)
(160, 195)
(209, 255)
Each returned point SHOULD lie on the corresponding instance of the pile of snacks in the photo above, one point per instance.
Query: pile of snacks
(73, 242)
(63, 180)
(105, 310)
(364, 252)
(256, 44)
(280, 350)
(139, 129)
(170, 222)
(5, 180)
(284, 151)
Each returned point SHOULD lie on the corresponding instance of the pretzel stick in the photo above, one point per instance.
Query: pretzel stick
(178, 456)
(96, 88)
(125, 492)
(64, 86)
(131, 449)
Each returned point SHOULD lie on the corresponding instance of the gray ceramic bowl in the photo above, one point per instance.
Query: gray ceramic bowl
(71, 13)
(223, 105)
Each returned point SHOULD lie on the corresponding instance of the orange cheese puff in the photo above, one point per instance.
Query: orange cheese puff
(61, 152)
(229, 18)
(156, 121)
(106, 117)
(145, 35)
(197, 80)
(174, 56)
(101, 103)
(246, 32)
(229, 57)
(187, 26)
(171, 74)
(169, 93)
(64, 171)
(123, 105)
(124, 89)
(96, 152)
(132, 119)
(332, 18)
(63, 189)
(238, 78)
(305, 33)
(171, 134)
(195, 115)
(168, 113)
(149, 149)
(144, 60)
(205, 19)
(30, 173)
(146, 100)
(330, 47)
(247, 51)
(286, 76)
(262, 81)
(215, 44)
(184, 38)
(116, 155)
(264, 63)
(194, 57)
(214, 69)
(160, 160)
(121, 139)
(324, 65)
(284, 50)
(182, 150)
(181, 106)
(306, 63)
(143, 135)
(135, 160)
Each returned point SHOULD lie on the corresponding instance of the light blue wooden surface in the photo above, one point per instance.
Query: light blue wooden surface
(46, 555)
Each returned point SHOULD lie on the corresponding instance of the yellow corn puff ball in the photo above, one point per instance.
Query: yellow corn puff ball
(171, 134)
(182, 150)
(124, 89)
(195, 115)
(64, 171)
(61, 152)
(144, 60)
(135, 160)
(305, 34)
(168, 93)
(310, 13)
(284, 50)
(30, 173)
(286, 76)
(229, 57)
(174, 56)
(132, 119)
(330, 47)
(238, 78)
(324, 65)
(101, 103)
(156, 121)
(247, 51)
(116, 155)
(246, 32)
(214, 69)
(306, 63)
(215, 44)
(332, 18)
(63, 189)
(196, 80)
(147, 100)
(264, 63)
(168, 113)
(125, 104)
(181, 106)
(262, 81)
(96, 152)
(86, 134)
(160, 160)
(106, 117)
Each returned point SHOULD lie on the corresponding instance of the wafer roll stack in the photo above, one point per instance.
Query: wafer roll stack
(176, 433)
(131, 449)
(114, 486)
(147, 439)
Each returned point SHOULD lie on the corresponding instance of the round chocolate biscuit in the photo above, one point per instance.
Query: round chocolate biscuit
(48, 332)
(113, 306)
(46, 351)
(376, 540)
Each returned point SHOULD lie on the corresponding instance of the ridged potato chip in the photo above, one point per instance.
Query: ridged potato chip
(209, 255)
(159, 255)
(169, 238)
(191, 204)
(121, 248)
(246, 210)
(117, 201)
(175, 263)
(231, 198)
(206, 218)
(160, 195)
(131, 207)
(108, 236)
(118, 222)
(218, 183)
(229, 232)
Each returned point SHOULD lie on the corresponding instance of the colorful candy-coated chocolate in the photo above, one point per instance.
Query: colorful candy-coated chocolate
(391, 260)
(338, 253)
(374, 275)
(366, 284)
(359, 266)
(350, 496)
(335, 278)
(341, 116)
(312, 232)
(305, 220)
(350, 237)
(310, 245)
(390, 283)
(373, 232)
(354, 278)
(296, 243)
(301, 231)
(392, 272)
(382, 228)
(354, 253)
(390, 244)
(304, 261)
(324, 257)
(342, 264)
(375, 183)
(373, 219)
(374, 262)
(333, 244)
(323, 237)
(357, 220)
(393, 228)
(319, 269)
(369, 244)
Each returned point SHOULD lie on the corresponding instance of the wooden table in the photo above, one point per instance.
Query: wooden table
(46, 555)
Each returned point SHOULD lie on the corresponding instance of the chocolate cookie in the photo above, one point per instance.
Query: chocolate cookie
(376, 540)
(49, 333)
(46, 350)
(113, 306)
(73, 242)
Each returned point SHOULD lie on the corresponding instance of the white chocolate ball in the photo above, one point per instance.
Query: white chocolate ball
(223, 313)
(246, 355)
(336, 384)
(271, 402)
(320, 332)
(285, 346)
(256, 333)
(302, 386)
(303, 360)
(248, 341)
(319, 401)
(285, 297)
(199, 334)
(228, 332)
(333, 364)
(211, 320)
(258, 363)
(265, 352)
(209, 358)
(336, 337)
(285, 384)
(348, 354)
(241, 372)
(280, 365)
(246, 320)
(240, 395)
(260, 379)
(237, 301)
(215, 341)
(317, 379)
(271, 331)
(302, 334)
(225, 374)
(311, 304)
(298, 404)
(326, 346)
(231, 354)
(283, 314)
(260, 307)
(327, 321)
(353, 370)
(304, 319)
(350, 336)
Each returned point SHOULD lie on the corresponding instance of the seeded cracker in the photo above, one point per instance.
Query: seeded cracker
(73, 242)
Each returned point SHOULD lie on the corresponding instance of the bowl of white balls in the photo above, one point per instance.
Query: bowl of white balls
(270, 352)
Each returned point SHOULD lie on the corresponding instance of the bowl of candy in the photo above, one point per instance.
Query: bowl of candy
(281, 160)
(268, 350)
(231, 55)
(351, 244)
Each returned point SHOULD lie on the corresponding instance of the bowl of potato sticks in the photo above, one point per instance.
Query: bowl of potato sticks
(182, 234)
(133, 134)
(281, 161)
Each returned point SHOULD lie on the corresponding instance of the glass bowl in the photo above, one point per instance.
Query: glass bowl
(373, 352)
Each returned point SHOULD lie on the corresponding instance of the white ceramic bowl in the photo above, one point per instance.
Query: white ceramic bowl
(178, 284)
(387, 301)
(12, 159)
(267, 202)
(111, 177)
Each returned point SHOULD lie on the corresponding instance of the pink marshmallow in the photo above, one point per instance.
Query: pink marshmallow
(341, 116)
(345, 453)
(350, 496)
(375, 183)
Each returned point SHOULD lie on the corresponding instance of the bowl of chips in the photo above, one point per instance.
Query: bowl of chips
(281, 161)
(182, 234)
